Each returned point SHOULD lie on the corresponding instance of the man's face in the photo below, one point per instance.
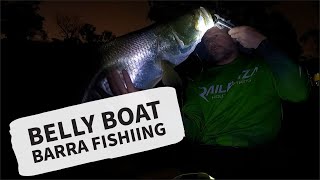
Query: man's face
(219, 44)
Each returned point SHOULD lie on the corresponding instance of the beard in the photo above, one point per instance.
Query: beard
(219, 53)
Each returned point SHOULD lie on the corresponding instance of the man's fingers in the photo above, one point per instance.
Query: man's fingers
(235, 30)
(237, 33)
(112, 84)
(118, 82)
(128, 81)
(236, 36)
(238, 29)
(246, 36)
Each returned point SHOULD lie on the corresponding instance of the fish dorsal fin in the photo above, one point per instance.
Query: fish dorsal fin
(170, 77)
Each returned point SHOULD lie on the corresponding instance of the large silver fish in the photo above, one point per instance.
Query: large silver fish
(146, 53)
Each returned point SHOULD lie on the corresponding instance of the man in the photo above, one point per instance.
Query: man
(236, 101)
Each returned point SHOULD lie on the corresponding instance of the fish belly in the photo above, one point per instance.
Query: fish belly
(137, 54)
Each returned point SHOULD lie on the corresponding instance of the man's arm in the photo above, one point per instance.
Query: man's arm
(192, 115)
(290, 79)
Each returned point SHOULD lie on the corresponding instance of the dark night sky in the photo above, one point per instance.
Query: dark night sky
(123, 17)
(118, 17)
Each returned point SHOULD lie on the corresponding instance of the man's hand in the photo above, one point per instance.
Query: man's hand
(247, 36)
(116, 84)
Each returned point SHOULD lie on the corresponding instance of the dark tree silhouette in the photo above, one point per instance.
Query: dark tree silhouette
(69, 26)
(21, 21)
(88, 33)
(106, 36)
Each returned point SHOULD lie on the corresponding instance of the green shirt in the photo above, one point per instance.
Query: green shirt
(239, 104)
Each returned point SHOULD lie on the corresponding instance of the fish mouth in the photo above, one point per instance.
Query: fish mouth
(207, 17)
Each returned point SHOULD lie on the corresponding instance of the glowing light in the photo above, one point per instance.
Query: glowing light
(201, 26)
(205, 21)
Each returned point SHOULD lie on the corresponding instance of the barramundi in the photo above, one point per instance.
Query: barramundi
(150, 54)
